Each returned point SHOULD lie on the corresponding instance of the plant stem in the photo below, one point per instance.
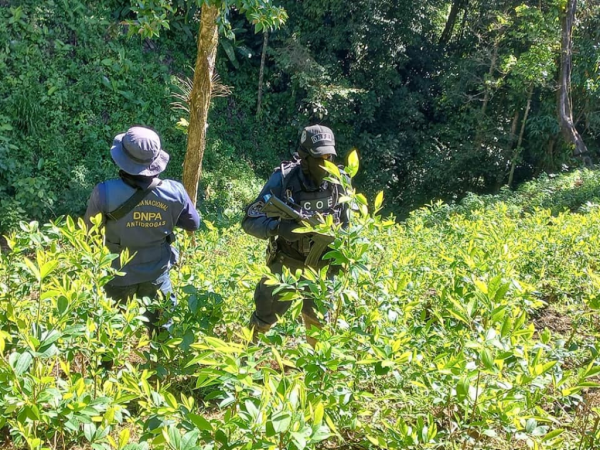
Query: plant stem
(39, 308)
(476, 395)
(594, 431)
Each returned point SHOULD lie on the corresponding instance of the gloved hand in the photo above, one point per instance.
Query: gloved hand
(286, 228)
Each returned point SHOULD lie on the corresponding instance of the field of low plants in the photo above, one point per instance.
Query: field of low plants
(466, 327)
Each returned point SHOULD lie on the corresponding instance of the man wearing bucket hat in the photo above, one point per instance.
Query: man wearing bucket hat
(139, 213)
(301, 185)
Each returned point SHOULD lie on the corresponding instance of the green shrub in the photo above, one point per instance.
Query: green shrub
(472, 328)
(58, 123)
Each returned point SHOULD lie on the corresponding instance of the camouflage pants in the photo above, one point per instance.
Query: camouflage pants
(268, 307)
(152, 289)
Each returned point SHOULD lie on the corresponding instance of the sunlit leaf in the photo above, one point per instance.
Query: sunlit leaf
(353, 164)
(378, 200)
(332, 168)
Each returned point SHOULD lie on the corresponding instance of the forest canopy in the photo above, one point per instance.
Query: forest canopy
(439, 98)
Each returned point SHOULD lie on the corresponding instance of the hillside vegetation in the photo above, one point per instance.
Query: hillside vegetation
(472, 326)
(440, 97)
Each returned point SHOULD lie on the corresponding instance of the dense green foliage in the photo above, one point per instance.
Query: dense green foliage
(470, 327)
(70, 85)
(434, 106)
(72, 81)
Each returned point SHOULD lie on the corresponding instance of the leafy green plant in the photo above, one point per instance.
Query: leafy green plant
(467, 326)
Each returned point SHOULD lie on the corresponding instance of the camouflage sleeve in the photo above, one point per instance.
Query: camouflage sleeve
(255, 222)
(94, 205)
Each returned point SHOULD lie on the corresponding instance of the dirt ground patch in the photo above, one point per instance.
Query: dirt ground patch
(592, 398)
(554, 321)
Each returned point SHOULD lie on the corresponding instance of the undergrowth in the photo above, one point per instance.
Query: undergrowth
(471, 327)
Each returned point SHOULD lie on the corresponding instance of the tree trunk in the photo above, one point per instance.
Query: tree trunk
(486, 96)
(509, 149)
(262, 70)
(457, 6)
(565, 108)
(463, 25)
(513, 130)
(549, 160)
(208, 39)
(517, 151)
(501, 176)
(488, 88)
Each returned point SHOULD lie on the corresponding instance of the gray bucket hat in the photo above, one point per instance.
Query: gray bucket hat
(138, 152)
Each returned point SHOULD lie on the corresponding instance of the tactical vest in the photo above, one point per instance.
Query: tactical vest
(301, 194)
(145, 230)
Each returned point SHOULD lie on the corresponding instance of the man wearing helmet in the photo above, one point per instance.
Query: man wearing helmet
(300, 184)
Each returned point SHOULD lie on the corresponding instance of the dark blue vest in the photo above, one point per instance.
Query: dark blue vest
(301, 194)
(144, 230)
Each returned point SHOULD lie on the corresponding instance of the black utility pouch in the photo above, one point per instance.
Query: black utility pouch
(271, 251)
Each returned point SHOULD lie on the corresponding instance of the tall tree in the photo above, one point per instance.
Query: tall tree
(455, 9)
(261, 73)
(153, 15)
(518, 149)
(565, 108)
(200, 98)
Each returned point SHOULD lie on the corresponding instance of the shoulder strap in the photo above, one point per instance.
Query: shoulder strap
(287, 168)
(139, 195)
